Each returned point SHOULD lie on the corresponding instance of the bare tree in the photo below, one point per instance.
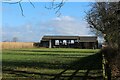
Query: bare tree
(103, 19)
(15, 39)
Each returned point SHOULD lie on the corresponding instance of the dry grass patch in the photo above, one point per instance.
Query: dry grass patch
(14, 45)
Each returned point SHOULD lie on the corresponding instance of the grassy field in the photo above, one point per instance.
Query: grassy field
(54, 64)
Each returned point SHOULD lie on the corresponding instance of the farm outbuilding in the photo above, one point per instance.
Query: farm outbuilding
(83, 42)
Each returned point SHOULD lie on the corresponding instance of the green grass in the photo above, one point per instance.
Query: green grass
(55, 63)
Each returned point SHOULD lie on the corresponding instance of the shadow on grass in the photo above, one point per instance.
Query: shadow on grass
(49, 54)
(57, 51)
(89, 64)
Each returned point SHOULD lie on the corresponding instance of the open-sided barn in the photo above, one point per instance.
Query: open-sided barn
(83, 42)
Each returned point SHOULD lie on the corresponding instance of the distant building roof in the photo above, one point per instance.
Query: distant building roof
(80, 38)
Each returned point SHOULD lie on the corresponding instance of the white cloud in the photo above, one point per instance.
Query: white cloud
(68, 25)
(64, 25)
(66, 18)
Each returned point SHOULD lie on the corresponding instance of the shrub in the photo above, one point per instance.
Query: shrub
(112, 55)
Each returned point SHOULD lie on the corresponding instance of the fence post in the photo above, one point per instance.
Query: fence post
(104, 68)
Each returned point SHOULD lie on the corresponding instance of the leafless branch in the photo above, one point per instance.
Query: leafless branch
(56, 6)
(15, 2)
(21, 9)
(31, 3)
(20, 5)
(59, 6)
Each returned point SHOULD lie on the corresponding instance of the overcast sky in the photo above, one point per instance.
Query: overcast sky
(40, 21)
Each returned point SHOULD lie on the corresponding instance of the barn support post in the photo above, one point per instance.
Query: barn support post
(50, 44)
